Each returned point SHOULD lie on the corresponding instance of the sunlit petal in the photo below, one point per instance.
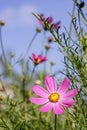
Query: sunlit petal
(50, 84)
(40, 91)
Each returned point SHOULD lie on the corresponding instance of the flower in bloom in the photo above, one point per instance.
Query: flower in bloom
(37, 59)
(57, 25)
(47, 23)
(53, 98)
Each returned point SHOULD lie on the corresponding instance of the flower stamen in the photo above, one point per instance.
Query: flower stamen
(54, 97)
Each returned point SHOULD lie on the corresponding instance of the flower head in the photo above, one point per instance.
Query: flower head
(38, 30)
(53, 98)
(37, 59)
(47, 23)
(2, 23)
(50, 39)
(47, 47)
(57, 25)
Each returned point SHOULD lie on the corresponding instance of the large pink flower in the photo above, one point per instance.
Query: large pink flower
(53, 98)
(37, 59)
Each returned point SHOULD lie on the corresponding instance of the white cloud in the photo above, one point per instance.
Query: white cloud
(21, 16)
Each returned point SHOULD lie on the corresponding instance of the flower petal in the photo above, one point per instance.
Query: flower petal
(33, 56)
(67, 103)
(50, 84)
(39, 101)
(47, 107)
(64, 85)
(40, 91)
(58, 109)
(71, 93)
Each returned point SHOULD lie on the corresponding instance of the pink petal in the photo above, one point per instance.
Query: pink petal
(43, 59)
(40, 91)
(71, 93)
(47, 107)
(67, 103)
(33, 55)
(64, 85)
(39, 101)
(50, 84)
(58, 109)
(49, 20)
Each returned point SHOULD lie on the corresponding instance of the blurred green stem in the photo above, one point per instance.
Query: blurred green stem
(24, 65)
(26, 53)
(69, 127)
(70, 33)
(30, 92)
(23, 87)
(55, 121)
(2, 47)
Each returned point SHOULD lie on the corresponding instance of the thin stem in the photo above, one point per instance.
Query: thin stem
(23, 88)
(30, 93)
(70, 32)
(30, 44)
(55, 122)
(69, 126)
(2, 47)
(24, 65)
(70, 28)
(33, 71)
(26, 53)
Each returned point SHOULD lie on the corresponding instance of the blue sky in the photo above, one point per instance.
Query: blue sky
(20, 24)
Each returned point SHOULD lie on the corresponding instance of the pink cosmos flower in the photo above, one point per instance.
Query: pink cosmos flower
(37, 59)
(53, 98)
(47, 23)
(57, 25)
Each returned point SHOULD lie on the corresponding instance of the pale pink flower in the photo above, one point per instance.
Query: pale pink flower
(37, 59)
(53, 98)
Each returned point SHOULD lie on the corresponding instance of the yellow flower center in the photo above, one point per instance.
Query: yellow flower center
(54, 97)
(37, 60)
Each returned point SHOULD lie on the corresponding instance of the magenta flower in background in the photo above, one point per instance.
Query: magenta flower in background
(57, 25)
(43, 20)
(53, 98)
(37, 59)
(47, 23)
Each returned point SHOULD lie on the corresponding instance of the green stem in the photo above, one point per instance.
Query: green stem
(26, 53)
(30, 93)
(70, 33)
(24, 65)
(55, 122)
(30, 44)
(70, 28)
(69, 126)
(2, 47)
(23, 88)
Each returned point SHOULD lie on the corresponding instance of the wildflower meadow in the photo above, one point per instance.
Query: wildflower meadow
(40, 97)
